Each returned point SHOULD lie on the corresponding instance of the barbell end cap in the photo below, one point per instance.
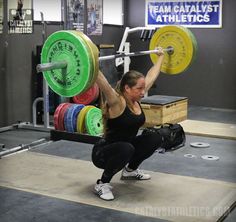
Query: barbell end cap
(39, 68)
(170, 50)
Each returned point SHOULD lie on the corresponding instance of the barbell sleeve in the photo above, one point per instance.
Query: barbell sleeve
(139, 53)
(51, 66)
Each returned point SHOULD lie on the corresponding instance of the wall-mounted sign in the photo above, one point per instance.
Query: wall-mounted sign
(20, 17)
(85, 19)
(189, 13)
(75, 15)
(94, 21)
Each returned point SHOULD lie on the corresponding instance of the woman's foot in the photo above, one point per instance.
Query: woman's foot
(103, 190)
(134, 175)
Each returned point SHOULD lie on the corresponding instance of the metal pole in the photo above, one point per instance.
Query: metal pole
(34, 109)
(46, 122)
(102, 58)
(45, 104)
(127, 60)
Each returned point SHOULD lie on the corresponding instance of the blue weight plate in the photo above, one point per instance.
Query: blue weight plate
(70, 119)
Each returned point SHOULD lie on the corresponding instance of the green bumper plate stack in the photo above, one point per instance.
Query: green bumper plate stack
(69, 47)
(93, 122)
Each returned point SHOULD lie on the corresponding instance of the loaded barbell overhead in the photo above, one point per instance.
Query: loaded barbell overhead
(63, 64)
(70, 61)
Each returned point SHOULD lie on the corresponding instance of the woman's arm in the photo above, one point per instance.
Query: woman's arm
(154, 72)
(109, 93)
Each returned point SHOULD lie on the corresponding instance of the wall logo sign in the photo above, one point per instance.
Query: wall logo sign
(188, 13)
(20, 22)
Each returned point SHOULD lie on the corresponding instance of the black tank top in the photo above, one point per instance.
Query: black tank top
(124, 127)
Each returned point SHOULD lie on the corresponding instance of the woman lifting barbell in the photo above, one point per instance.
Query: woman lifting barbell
(69, 64)
(121, 147)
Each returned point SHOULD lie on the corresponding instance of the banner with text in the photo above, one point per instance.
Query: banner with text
(189, 13)
(20, 17)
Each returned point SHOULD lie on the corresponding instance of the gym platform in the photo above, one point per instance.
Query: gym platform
(53, 180)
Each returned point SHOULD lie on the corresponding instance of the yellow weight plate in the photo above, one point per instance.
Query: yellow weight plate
(81, 119)
(96, 57)
(95, 54)
(180, 39)
(83, 38)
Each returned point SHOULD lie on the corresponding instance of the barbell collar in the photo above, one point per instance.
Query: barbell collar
(51, 66)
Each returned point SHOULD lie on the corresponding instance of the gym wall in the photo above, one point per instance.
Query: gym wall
(17, 73)
(211, 79)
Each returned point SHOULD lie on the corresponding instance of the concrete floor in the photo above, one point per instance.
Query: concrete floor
(18, 205)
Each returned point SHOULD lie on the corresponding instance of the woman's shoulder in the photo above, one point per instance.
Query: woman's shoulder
(118, 108)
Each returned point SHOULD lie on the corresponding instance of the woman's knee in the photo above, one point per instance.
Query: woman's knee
(126, 149)
(97, 157)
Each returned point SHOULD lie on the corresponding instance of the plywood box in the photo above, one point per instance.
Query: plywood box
(160, 109)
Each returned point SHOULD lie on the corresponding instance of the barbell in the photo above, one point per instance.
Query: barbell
(70, 60)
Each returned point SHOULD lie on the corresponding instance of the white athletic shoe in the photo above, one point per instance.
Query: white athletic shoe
(104, 191)
(134, 175)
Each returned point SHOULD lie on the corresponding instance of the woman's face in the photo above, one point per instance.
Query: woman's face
(136, 92)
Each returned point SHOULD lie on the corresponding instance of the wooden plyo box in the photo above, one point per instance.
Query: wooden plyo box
(160, 109)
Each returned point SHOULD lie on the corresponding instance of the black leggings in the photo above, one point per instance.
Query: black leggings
(112, 157)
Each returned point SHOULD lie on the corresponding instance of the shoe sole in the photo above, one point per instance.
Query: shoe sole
(96, 193)
(133, 178)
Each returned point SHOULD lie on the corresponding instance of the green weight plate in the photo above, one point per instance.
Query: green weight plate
(93, 122)
(81, 119)
(180, 39)
(194, 42)
(95, 55)
(195, 46)
(66, 46)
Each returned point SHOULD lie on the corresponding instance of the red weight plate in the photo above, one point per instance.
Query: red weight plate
(61, 125)
(88, 96)
(56, 115)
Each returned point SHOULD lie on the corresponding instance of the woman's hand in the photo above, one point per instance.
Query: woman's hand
(160, 51)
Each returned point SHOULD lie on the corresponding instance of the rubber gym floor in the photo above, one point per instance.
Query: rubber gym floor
(53, 180)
